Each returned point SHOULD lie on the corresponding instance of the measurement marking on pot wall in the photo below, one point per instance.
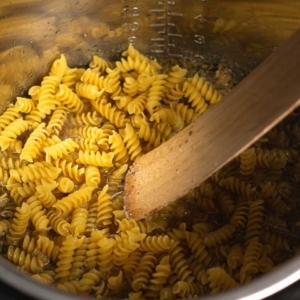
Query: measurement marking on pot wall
(168, 39)
(132, 25)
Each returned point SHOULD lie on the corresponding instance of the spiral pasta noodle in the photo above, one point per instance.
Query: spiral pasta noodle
(37, 215)
(31, 148)
(144, 271)
(11, 132)
(250, 261)
(34, 118)
(117, 145)
(34, 172)
(104, 215)
(66, 252)
(59, 67)
(74, 200)
(109, 112)
(79, 219)
(10, 115)
(60, 149)
(137, 105)
(57, 120)
(69, 77)
(25, 261)
(255, 219)
(69, 99)
(58, 224)
(19, 224)
(45, 196)
(86, 119)
(92, 176)
(160, 276)
(132, 142)
(206, 89)
(219, 280)
(155, 95)
(47, 95)
(132, 263)
(24, 105)
(70, 170)
(96, 159)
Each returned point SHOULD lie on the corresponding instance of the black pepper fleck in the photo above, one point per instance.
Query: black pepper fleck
(191, 132)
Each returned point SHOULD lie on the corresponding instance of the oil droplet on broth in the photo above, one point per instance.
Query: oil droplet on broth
(199, 39)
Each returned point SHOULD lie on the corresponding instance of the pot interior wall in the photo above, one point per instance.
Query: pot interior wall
(34, 32)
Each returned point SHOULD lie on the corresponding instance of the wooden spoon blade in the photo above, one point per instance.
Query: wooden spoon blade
(257, 104)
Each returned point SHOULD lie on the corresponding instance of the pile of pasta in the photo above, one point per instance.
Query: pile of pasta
(65, 151)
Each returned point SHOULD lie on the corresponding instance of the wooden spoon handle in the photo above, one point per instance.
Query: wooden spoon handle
(257, 104)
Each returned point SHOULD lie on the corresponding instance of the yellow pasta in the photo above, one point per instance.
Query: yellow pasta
(97, 159)
(11, 132)
(59, 67)
(69, 99)
(24, 105)
(59, 150)
(132, 142)
(117, 145)
(66, 151)
(109, 112)
(58, 224)
(25, 261)
(65, 252)
(219, 280)
(10, 115)
(45, 196)
(57, 120)
(74, 200)
(92, 176)
(65, 184)
(19, 224)
(33, 144)
(79, 219)
(47, 94)
(86, 119)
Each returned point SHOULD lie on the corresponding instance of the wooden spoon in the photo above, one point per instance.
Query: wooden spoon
(258, 103)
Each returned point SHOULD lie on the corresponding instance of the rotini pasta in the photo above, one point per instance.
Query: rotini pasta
(25, 261)
(24, 105)
(60, 149)
(31, 148)
(10, 115)
(47, 94)
(66, 151)
(57, 120)
(97, 159)
(66, 252)
(11, 132)
(69, 99)
(109, 112)
(65, 184)
(219, 280)
(74, 200)
(19, 224)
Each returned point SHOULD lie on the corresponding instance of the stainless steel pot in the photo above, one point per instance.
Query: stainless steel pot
(34, 32)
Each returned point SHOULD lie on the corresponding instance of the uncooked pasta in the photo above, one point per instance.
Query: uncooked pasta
(65, 151)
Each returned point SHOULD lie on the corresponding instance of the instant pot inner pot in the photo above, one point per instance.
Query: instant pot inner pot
(237, 35)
